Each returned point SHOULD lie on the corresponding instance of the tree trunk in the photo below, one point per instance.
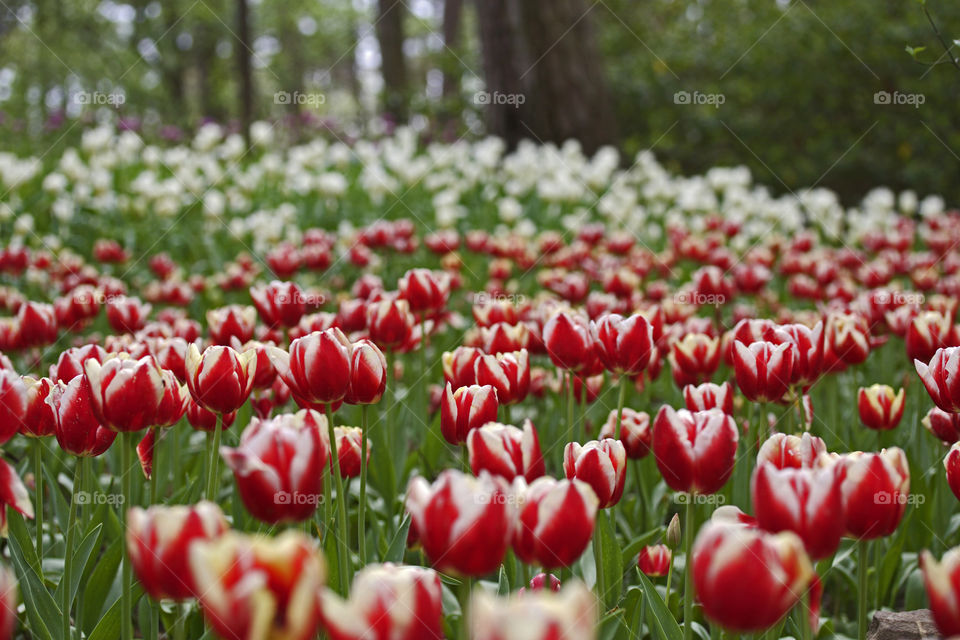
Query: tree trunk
(503, 64)
(450, 98)
(393, 65)
(244, 68)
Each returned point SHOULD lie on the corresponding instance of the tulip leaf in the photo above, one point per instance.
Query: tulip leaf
(662, 623)
(18, 534)
(108, 627)
(97, 589)
(399, 543)
(503, 584)
(40, 606)
(81, 558)
(890, 564)
(612, 570)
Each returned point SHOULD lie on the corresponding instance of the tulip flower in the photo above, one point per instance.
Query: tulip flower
(747, 579)
(280, 304)
(541, 582)
(78, 430)
(203, 420)
(568, 614)
(504, 338)
(763, 369)
(424, 290)
(37, 324)
(458, 366)
(555, 521)
(624, 345)
(317, 368)
(279, 464)
(568, 342)
(602, 464)
(709, 396)
(942, 581)
(127, 315)
(943, 425)
(654, 561)
(13, 404)
(694, 358)
(125, 393)
(466, 409)
(695, 452)
(929, 331)
(806, 501)
(808, 357)
(389, 602)
(635, 433)
(390, 323)
(463, 523)
(39, 420)
(12, 494)
(505, 451)
(368, 374)
(791, 452)
(256, 587)
(158, 542)
(70, 362)
(941, 377)
(846, 341)
(220, 379)
(880, 407)
(232, 321)
(348, 451)
(875, 490)
(508, 373)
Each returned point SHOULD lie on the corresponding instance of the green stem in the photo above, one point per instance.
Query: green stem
(806, 633)
(620, 401)
(68, 553)
(342, 550)
(127, 443)
(689, 525)
(641, 491)
(213, 470)
(180, 622)
(666, 600)
(466, 585)
(598, 557)
(154, 631)
(37, 446)
(570, 395)
(362, 507)
(863, 551)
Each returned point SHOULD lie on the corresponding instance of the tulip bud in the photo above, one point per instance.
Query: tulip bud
(695, 452)
(941, 377)
(466, 409)
(602, 464)
(846, 341)
(505, 451)
(125, 393)
(317, 368)
(880, 407)
(748, 579)
(929, 331)
(568, 614)
(673, 537)
(543, 581)
(158, 543)
(555, 521)
(220, 379)
(349, 444)
(654, 561)
(279, 465)
(463, 523)
(389, 602)
(941, 580)
(368, 374)
(635, 431)
(258, 587)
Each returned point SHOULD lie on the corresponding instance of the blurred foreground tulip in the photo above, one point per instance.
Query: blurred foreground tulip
(941, 377)
(568, 614)
(942, 580)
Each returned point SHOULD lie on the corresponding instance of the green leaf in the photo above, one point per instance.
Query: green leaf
(399, 542)
(108, 628)
(81, 558)
(40, 606)
(97, 589)
(503, 584)
(612, 560)
(17, 532)
(662, 624)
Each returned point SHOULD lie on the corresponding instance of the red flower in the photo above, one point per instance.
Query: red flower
(808, 357)
(952, 464)
(503, 338)
(13, 404)
(78, 430)
(635, 431)
(279, 465)
(253, 586)
(390, 323)
(943, 425)
(880, 407)
(929, 331)
(875, 491)
(602, 464)
(942, 580)
(624, 345)
(280, 304)
(568, 614)
(12, 494)
(349, 446)
(747, 579)
(463, 523)
(805, 501)
(694, 358)
(506, 451)
(204, 420)
(791, 452)
(846, 341)
(555, 521)
(125, 393)
(232, 321)
(654, 561)
(941, 377)
(389, 602)
(466, 409)
(127, 315)
(508, 373)
(36, 325)
(458, 366)
(368, 374)
(763, 369)
(568, 342)
(220, 379)
(695, 452)
(158, 543)
(709, 396)
(40, 420)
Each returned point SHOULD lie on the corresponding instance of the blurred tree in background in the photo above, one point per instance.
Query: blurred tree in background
(787, 87)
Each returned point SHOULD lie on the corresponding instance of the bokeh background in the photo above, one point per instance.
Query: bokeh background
(797, 80)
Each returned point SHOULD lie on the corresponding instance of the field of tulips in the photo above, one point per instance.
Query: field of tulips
(379, 390)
